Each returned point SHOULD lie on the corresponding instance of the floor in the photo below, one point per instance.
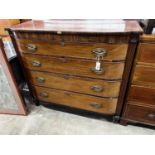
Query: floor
(45, 121)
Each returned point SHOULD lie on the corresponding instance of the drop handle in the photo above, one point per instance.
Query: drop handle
(98, 71)
(31, 47)
(152, 116)
(36, 63)
(97, 88)
(96, 105)
(99, 52)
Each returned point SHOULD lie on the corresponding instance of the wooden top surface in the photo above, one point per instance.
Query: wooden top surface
(79, 26)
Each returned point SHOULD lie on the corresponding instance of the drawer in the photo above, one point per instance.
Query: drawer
(142, 94)
(146, 53)
(140, 113)
(144, 75)
(73, 66)
(81, 101)
(76, 84)
(116, 52)
(73, 37)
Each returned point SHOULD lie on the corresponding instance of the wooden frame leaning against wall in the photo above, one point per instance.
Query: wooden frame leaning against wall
(18, 107)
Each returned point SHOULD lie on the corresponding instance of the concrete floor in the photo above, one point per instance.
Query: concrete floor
(45, 121)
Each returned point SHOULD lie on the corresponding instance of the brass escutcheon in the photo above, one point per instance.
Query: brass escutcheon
(97, 88)
(36, 63)
(95, 105)
(31, 47)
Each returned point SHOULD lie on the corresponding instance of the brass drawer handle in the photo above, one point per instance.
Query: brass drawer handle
(31, 47)
(99, 52)
(151, 115)
(99, 72)
(97, 88)
(40, 79)
(36, 63)
(95, 105)
(43, 94)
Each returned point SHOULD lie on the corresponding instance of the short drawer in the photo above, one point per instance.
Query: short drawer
(140, 113)
(144, 75)
(116, 52)
(146, 53)
(80, 101)
(142, 94)
(76, 84)
(110, 70)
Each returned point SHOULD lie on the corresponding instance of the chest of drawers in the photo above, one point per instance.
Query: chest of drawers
(140, 104)
(81, 64)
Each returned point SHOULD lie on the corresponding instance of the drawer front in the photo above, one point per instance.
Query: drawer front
(140, 113)
(146, 53)
(144, 75)
(76, 84)
(142, 94)
(73, 66)
(115, 52)
(81, 101)
(74, 38)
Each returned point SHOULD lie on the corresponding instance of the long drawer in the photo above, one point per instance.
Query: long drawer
(114, 52)
(144, 75)
(76, 100)
(140, 113)
(142, 94)
(80, 67)
(76, 84)
(73, 37)
(146, 53)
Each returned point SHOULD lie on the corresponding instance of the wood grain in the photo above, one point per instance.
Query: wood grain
(145, 95)
(80, 26)
(146, 53)
(73, 66)
(72, 37)
(75, 84)
(140, 114)
(115, 52)
(144, 76)
(76, 100)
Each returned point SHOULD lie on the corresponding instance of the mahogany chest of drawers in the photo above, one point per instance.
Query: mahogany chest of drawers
(83, 64)
(140, 104)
